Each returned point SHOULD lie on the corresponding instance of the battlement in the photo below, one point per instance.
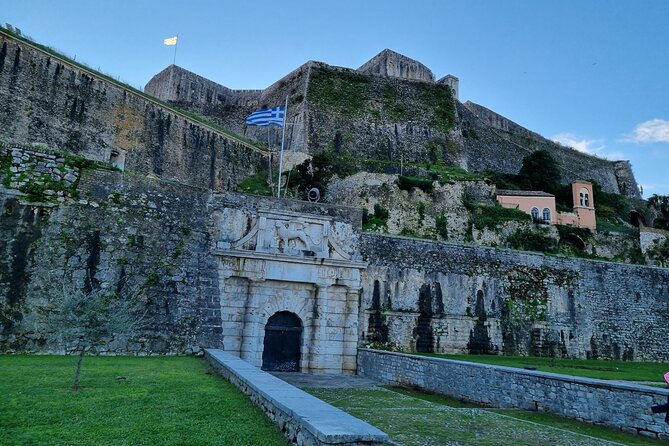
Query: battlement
(176, 84)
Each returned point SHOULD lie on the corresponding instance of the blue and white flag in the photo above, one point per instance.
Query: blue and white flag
(270, 116)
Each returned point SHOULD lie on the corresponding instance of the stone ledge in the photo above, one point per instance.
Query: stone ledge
(304, 419)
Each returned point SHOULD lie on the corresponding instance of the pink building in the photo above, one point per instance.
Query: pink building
(541, 205)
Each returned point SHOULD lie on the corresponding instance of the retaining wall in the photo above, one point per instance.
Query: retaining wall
(596, 401)
(304, 419)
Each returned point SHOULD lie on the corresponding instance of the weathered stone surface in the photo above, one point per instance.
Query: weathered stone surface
(458, 298)
(387, 119)
(390, 63)
(618, 405)
(73, 109)
(415, 211)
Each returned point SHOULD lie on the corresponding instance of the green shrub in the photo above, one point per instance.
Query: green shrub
(408, 183)
(441, 225)
(376, 220)
(493, 216)
(532, 241)
(540, 172)
(421, 212)
(408, 232)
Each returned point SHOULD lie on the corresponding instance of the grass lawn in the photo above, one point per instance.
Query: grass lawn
(616, 370)
(414, 418)
(125, 401)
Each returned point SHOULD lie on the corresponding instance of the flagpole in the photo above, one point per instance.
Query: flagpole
(174, 62)
(283, 137)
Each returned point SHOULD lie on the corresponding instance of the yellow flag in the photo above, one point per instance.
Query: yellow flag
(170, 41)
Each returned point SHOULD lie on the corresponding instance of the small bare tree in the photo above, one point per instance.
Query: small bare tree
(88, 320)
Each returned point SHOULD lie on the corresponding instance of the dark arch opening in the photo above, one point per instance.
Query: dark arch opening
(576, 241)
(636, 218)
(283, 342)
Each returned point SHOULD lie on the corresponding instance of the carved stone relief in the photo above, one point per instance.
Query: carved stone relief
(286, 233)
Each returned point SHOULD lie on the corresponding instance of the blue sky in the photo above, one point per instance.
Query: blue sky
(591, 74)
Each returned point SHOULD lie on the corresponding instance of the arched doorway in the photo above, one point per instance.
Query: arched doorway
(283, 339)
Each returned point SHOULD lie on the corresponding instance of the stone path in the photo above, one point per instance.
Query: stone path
(325, 381)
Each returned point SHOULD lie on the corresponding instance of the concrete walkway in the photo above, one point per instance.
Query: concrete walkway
(325, 381)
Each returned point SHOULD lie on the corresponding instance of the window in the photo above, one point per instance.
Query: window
(584, 197)
(535, 213)
(547, 214)
(117, 159)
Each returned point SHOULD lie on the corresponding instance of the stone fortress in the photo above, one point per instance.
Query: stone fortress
(249, 274)
(400, 118)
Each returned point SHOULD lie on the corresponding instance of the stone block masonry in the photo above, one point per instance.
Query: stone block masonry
(618, 405)
(304, 419)
(454, 298)
(389, 110)
(39, 173)
(124, 233)
(52, 101)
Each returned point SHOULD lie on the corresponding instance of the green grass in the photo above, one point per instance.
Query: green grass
(413, 418)
(159, 401)
(601, 369)
(535, 417)
(255, 184)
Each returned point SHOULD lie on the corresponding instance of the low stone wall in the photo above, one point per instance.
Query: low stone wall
(595, 401)
(303, 418)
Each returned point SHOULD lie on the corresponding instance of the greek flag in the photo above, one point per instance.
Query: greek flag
(271, 116)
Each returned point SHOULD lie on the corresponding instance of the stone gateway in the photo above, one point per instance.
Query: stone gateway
(289, 289)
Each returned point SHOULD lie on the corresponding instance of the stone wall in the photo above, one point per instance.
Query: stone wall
(176, 84)
(490, 136)
(124, 235)
(156, 241)
(618, 405)
(230, 108)
(390, 63)
(427, 296)
(39, 172)
(49, 100)
(391, 111)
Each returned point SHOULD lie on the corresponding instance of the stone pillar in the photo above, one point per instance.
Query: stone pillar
(232, 302)
(328, 331)
(350, 344)
(253, 330)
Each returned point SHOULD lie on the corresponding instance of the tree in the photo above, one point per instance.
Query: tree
(659, 252)
(87, 320)
(661, 205)
(540, 172)
(317, 171)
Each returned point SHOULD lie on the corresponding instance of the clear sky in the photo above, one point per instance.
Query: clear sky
(592, 74)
